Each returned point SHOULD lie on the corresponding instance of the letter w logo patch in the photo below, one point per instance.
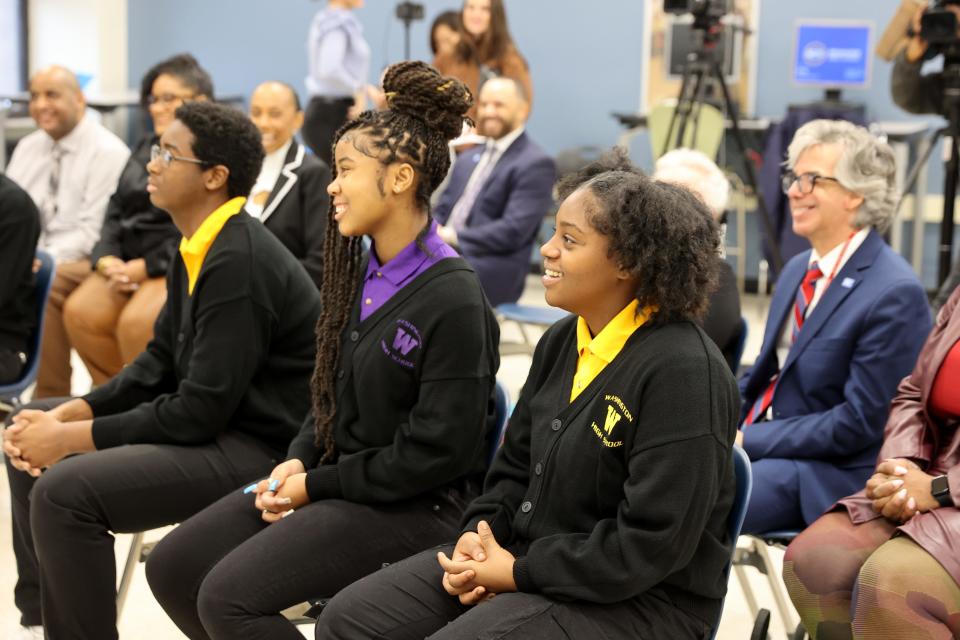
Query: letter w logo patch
(611, 420)
(404, 342)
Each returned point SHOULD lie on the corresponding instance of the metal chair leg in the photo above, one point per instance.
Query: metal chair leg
(133, 557)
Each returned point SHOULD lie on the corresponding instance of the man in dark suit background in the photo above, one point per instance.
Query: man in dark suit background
(498, 193)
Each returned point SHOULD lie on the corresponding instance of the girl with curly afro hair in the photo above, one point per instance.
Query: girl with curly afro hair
(397, 440)
(604, 514)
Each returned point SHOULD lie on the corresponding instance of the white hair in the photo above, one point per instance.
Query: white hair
(698, 173)
(866, 167)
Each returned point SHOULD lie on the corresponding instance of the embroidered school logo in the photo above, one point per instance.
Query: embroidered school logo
(404, 342)
(616, 411)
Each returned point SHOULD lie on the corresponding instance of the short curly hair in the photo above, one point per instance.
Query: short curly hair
(225, 136)
(662, 233)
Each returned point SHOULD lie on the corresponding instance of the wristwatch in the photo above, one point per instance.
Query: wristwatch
(940, 489)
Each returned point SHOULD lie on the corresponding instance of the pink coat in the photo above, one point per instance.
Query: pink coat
(913, 432)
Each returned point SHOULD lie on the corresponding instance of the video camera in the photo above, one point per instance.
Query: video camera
(409, 11)
(938, 25)
(714, 9)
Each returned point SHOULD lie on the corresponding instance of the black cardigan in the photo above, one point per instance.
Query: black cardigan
(414, 393)
(236, 354)
(133, 227)
(297, 209)
(19, 232)
(626, 491)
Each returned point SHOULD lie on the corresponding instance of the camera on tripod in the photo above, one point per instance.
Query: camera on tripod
(938, 25)
(715, 9)
(409, 11)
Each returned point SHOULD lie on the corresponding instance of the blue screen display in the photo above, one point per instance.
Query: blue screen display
(832, 55)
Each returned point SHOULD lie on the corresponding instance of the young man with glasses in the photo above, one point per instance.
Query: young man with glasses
(210, 405)
(846, 323)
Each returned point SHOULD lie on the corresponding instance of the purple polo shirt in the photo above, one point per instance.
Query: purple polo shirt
(382, 281)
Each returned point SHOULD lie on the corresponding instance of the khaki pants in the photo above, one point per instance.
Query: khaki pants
(109, 329)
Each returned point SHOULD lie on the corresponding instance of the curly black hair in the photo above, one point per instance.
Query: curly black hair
(225, 136)
(663, 233)
(185, 68)
(424, 112)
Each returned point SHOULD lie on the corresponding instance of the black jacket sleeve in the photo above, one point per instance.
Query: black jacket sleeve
(314, 207)
(109, 243)
(913, 92)
(19, 230)
(445, 431)
(231, 341)
(303, 447)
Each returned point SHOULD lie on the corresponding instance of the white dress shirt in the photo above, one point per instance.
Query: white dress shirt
(269, 173)
(90, 166)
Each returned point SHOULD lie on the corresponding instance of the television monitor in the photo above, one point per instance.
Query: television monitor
(832, 53)
(679, 44)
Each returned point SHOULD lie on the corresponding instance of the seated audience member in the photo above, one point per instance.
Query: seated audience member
(695, 171)
(445, 33)
(397, 441)
(70, 166)
(498, 194)
(882, 564)
(19, 231)
(485, 49)
(212, 403)
(845, 324)
(290, 195)
(109, 318)
(588, 527)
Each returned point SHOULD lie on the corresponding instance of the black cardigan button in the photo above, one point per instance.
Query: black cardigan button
(526, 506)
(354, 336)
(538, 469)
(340, 374)
(556, 424)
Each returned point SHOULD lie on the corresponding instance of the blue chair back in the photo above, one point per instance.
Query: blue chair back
(502, 413)
(738, 512)
(742, 331)
(42, 286)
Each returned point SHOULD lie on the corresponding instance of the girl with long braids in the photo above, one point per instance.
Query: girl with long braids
(604, 514)
(396, 443)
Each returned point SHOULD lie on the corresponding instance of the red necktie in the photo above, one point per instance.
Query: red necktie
(800, 304)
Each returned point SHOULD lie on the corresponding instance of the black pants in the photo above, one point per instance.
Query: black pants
(407, 601)
(320, 123)
(225, 573)
(11, 365)
(62, 521)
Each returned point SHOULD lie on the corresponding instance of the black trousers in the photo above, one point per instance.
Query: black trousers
(11, 365)
(225, 573)
(321, 120)
(62, 521)
(406, 601)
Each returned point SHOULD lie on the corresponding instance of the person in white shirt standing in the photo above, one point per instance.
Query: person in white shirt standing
(70, 166)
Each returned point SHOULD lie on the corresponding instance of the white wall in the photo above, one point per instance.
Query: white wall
(10, 47)
(87, 36)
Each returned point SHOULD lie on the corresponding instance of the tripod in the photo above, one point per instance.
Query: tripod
(951, 168)
(700, 67)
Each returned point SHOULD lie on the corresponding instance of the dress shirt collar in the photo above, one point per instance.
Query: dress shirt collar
(194, 249)
(609, 342)
(829, 263)
(71, 142)
(502, 144)
(406, 263)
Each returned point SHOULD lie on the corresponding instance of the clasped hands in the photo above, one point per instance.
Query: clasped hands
(900, 489)
(122, 276)
(38, 439)
(283, 492)
(479, 569)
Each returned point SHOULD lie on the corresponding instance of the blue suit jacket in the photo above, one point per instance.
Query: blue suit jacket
(503, 223)
(834, 390)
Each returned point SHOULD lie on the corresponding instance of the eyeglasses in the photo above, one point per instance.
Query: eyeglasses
(166, 157)
(168, 98)
(805, 181)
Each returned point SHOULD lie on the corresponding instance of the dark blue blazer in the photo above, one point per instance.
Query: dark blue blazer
(834, 391)
(501, 227)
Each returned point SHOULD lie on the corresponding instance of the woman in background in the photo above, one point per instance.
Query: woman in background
(109, 318)
(338, 62)
(485, 49)
(445, 33)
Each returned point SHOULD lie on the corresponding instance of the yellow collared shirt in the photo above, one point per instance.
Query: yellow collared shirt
(194, 249)
(597, 352)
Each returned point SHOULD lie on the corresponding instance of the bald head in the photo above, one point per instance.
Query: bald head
(275, 110)
(502, 107)
(56, 101)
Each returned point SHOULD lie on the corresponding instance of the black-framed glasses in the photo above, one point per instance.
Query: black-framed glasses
(168, 98)
(805, 181)
(166, 157)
